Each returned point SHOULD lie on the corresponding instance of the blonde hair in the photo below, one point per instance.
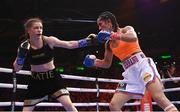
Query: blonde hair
(30, 21)
(28, 24)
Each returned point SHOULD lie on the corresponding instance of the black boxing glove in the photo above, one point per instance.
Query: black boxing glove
(22, 52)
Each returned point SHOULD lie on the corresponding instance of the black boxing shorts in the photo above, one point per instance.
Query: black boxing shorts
(43, 84)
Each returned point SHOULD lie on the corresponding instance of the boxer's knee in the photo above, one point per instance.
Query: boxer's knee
(114, 106)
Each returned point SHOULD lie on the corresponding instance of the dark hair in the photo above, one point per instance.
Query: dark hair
(108, 15)
(28, 24)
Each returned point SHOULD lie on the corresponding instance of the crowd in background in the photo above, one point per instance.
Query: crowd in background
(167, 70)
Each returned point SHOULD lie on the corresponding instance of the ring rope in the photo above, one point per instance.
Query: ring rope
(59, 104)
(76, 104)
(20, 86)
(25, 72)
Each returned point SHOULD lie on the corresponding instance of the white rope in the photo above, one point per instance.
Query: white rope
(25, 72)
(90, 78)
(172, 89)
(174, 102)
(20, 86)
(90, 90)
(171, 79)
(8, 70)
(45, 104)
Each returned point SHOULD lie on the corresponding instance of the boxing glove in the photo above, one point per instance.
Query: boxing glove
(103, 36)
(22, 52)
(91, 39)
(89, 60)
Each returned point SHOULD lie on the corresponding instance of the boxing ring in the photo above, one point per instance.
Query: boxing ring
(96, 90)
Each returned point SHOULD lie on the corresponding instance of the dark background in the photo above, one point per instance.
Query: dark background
(155, 21)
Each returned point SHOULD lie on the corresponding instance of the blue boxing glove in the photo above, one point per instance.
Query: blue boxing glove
(103, 36)
(89, 60)
(91, 39)
(83, 43)
(22, 52)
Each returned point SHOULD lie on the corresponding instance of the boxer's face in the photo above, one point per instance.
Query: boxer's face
(36, 29)
(104, 25)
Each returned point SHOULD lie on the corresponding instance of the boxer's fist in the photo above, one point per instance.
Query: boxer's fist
(103, 36)
(89, 60)
(22, 52)
(91, 39)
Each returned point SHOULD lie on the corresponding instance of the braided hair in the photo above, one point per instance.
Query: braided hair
(108, 15)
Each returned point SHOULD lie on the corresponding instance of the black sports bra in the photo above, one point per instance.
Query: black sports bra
(40, 56)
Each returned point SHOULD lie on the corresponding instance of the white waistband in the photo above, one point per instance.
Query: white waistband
(133, 59)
